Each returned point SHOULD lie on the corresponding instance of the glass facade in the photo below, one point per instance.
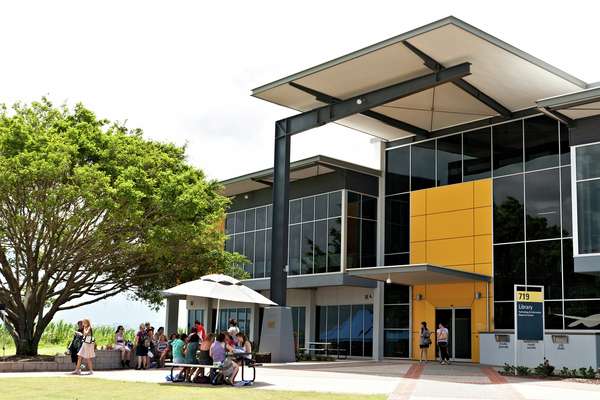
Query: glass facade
(314, 241)
(315, 234)
(396, 325)
(530, 163)
(299, 325)
(241, 315)
(347, 327)
(193, 316)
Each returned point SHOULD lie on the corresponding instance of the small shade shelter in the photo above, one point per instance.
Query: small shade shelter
(218, 287)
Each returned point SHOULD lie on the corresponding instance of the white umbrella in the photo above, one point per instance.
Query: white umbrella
(219, 287)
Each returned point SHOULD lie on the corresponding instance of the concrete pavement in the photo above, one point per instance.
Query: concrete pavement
(400, 380)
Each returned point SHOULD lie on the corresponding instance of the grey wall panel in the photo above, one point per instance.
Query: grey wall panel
(586, 130)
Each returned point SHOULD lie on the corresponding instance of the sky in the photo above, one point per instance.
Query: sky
(183, 70)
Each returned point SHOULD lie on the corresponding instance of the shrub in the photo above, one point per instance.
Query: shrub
(509, 369)
(544, 369)
(523, 370)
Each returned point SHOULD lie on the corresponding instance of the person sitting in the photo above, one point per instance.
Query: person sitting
(200, 330)
(190, 356)
(204, 357)
(217, 349)
(160, 331)
(178, 346)
(162, 350)
(121, 346)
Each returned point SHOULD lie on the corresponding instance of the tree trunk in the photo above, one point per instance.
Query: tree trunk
(25, 335)
(27, 346)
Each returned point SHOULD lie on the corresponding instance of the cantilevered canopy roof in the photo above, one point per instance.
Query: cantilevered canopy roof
(502, 79)
(302, 169)
(581, 104)
(417, 274)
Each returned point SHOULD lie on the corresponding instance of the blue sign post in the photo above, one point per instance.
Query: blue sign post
(529, 315)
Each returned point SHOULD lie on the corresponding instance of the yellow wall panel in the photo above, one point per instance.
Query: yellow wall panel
(418, 202)
(417, 228)
(483, 249)
(483, 269)
(450, 198)
(450, 225)
(482, 193)
(418, 253)
(482, 221)
(450, 252)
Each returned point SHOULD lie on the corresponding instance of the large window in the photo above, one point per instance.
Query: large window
(396, 326)
(241, 315)
(587, 186)
(299, 325)
(314, 236)
(477, 154)
(397, 229)
(193, 316)
(422, 165)
(348, 327)
(508, 148)
(361, 231)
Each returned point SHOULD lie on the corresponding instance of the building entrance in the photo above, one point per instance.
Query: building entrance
(458, 322)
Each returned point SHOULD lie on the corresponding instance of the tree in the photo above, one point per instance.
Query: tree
(89, 209)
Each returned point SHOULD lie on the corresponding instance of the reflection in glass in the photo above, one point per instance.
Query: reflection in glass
(449, 160)
(307, 247)
(249, 252)
(509, 269)
(587, 161)
(321, 206)
(397, 172)
(477, 154)
(368, 326)
(229, 223)
(396, 343)
(353, 243)
(335, 204)
(321, 328)
(334, 242)
(541, 143)
(422, 168)
(268, 254)
(295, 242)
(565, 150)
(369, 207)
(250, 220)
(577, 285)
(578, 313)
(295, 211)
(332, 325)
(508, 209)
(544, 267)
(588, 216)
(320, 246)
(344, 328)
(308, 209)
(239, 221)
(553, 311)
(397, 259)
(542, 194)
(259, 255)
(396, 316)
(261, 217)
(565, 189)
(356, 330)
(353, 204)
(397, 223)
(396, 294)
(508, 148)
(504, 315)
(368, 253)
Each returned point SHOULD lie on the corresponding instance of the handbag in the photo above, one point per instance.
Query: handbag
(89, 339)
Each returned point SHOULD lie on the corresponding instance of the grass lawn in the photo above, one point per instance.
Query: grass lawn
(45, 349)
(92, 388)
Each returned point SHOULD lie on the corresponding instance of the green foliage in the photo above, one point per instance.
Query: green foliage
(508, 369)
(89, 209)
(523, 370)
(544, 369)
(61, 333)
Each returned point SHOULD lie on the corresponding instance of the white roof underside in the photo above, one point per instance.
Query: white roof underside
(581, 104)
(511, 77)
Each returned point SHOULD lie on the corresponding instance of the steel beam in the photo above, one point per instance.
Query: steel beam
(461, 83)
(556, 115)
(393, 122)
(279, 242)
(364, 102)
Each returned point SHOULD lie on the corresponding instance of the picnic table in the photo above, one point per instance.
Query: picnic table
(324, 347)
(245, 361)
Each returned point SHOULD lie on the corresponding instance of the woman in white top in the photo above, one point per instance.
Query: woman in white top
(87, 350)
(122, 347)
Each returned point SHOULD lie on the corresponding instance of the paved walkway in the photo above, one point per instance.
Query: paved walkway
(399, 380)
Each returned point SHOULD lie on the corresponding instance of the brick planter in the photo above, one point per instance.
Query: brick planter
(105, 360)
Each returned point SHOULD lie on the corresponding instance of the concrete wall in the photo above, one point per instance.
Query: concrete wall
(581, 351)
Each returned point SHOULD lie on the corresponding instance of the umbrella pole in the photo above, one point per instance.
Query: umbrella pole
(217, 319)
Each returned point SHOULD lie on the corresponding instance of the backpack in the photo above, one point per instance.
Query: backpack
(216, 377)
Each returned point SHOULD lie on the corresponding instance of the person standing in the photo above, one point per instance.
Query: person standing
(425, 341)
(76, 342)
(442, 342)
(87, 351)
(142, 343)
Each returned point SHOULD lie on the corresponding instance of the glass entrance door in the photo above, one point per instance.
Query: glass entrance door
(458, 322)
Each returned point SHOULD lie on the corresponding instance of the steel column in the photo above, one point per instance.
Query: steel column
(281, 184)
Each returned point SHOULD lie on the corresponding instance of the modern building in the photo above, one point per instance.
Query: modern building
(489, 177)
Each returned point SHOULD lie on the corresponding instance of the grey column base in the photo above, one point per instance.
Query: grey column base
(277, 335)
